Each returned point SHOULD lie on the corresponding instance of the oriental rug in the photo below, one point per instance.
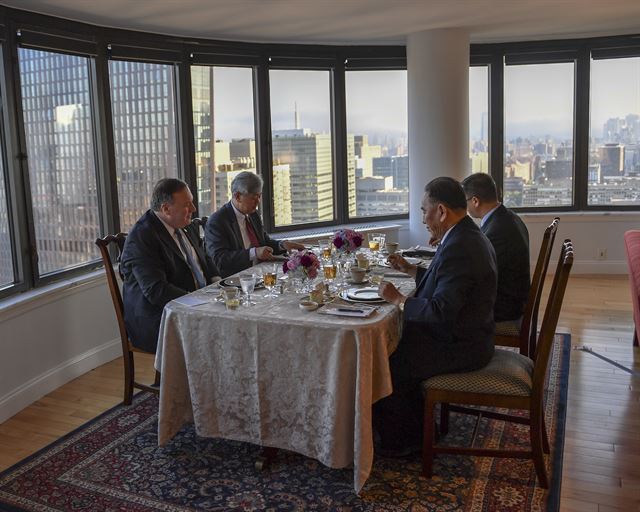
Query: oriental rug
(113, 463)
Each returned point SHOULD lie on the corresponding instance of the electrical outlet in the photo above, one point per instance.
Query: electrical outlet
(601, 253)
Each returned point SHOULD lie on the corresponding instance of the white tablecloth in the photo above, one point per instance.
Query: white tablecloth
(275, 375)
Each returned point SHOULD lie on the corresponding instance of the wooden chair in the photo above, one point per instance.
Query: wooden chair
(127, 348)
(524, 336)
(200, 222)
(509, 381)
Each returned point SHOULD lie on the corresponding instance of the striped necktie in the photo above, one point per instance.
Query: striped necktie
(199, 278)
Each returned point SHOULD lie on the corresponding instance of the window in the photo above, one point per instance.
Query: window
(58, 128)
(144, 132)
(377, 154)
(614, 145)
(6, 261)
(479, 119)
(538, 141)
(301, 145)
(224, 130)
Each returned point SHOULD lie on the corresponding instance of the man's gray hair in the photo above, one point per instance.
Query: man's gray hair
(246, 183)
(163, 192)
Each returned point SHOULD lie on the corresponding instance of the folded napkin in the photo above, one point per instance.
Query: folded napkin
(356, 311)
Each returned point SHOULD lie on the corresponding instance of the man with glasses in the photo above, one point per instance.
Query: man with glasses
(510, 239)
(234, 236)
(163, 259)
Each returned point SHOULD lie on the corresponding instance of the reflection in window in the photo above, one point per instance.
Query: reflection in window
(538, 152)
(224, 130)
(377, 154)
(301, 146)
(479, 119)
(144, 132)
(58, 128)
(614, 148)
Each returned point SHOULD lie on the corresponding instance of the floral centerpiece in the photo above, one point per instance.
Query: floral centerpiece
(347, 241)
(303, 264)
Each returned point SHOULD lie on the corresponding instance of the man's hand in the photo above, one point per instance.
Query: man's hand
(433, 241)
(390, 293)
(264, 253)
(399, 263)
(287, 245)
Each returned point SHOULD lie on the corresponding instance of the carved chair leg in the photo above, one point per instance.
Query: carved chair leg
(428, 439)
(636, 343)
(129, 370)
(535, 434)
(444, 419)
(156, 380)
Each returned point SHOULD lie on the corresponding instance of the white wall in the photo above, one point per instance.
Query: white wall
(590, 232)
(52, 336)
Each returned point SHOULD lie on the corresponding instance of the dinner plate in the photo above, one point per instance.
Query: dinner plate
(235, 281)
(366, 294)
(346, 298)
(413, 261)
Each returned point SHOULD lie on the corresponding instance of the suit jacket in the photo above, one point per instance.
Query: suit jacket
(155, 272)
(510, 239)
(224, 243)
(448, 325)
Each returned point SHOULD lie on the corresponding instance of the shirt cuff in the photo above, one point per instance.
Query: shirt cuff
(252, 255)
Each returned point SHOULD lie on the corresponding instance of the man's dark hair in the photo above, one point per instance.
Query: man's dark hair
(164, 190)
(482, 186)
(446, 191)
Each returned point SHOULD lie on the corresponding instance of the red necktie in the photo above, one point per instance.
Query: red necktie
(251, 233)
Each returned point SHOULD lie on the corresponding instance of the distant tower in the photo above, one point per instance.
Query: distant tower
(296, 116)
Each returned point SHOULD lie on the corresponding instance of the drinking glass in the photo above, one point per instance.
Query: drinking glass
(325, 248)
(231, 299)
(377, 275)
(247, 283)
(374, 242)
(330, 270)
(270, 277)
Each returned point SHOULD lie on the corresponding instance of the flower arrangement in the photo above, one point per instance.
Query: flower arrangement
(302, 264)
(347, 240)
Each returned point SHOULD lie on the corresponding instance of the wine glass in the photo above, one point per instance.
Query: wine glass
(329, 268)
(270, 277)
(247, 283)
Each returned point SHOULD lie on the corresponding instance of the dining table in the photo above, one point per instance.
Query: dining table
(277, 375)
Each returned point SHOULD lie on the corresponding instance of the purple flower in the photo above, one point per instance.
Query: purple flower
(285, 266)
(291, 264)
(338, 242)
(357, 240)
(306, 261)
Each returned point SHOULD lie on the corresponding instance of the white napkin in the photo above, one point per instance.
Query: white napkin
(190, 300)
(356, 311)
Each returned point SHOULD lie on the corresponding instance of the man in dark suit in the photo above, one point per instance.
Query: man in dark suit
(510, 239)
(447, 323)
(234, 236)
(162, 259)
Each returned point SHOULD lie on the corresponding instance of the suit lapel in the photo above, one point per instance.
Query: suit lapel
(235, 228)
(164, 235)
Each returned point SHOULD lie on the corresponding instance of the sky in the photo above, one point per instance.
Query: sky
(538, 99)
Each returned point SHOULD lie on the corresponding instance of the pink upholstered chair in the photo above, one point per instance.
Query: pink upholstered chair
(632, 245)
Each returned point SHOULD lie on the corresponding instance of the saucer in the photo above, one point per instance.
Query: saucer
(308, 305)
(364, 281)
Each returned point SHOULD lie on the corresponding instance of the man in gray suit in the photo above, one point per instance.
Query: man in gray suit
(234, 236)
(447, 323)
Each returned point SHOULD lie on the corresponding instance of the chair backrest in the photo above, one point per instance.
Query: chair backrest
(103, 244)
(199, 221)
(632, 246)
(529, 328)
(550, 320)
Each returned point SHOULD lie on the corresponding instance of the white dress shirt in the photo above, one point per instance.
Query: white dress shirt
(242, 218)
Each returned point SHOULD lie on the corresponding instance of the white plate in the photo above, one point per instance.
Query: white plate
(364, 281)
(346, 298)
(413, 261)
(235, 281)
(367, 294)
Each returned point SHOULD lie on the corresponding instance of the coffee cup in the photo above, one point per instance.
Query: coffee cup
(392, 247)
(357, 274)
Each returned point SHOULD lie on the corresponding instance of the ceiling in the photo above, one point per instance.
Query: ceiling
(351, 21)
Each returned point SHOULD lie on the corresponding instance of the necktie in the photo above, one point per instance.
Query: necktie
(251, 233)
(192, 265)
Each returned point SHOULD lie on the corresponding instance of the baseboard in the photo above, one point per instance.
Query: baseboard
(23, 396)
(594, 267)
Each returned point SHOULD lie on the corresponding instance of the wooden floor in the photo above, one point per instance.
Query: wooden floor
(602, 444)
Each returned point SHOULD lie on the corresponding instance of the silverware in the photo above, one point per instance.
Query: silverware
(345, 310)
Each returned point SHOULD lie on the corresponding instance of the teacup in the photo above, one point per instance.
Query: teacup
(392, 247)
(357, 274)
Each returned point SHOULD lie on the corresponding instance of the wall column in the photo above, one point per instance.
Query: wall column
(438, 104)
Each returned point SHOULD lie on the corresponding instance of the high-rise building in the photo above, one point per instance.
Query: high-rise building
(611, 159)
(309, 158)
(203, 133)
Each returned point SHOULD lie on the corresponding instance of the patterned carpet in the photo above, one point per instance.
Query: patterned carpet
(113, 463)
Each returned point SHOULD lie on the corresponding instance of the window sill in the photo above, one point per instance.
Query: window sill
(579, 217)
(22, 303)
(306, 234)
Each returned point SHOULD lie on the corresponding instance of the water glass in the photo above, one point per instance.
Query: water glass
(247, 283)
(374, 242)
(377, 275)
